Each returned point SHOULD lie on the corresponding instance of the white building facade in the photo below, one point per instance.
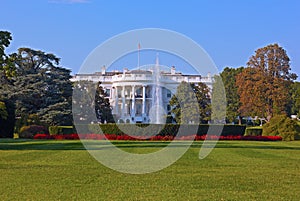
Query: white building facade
(142, 95)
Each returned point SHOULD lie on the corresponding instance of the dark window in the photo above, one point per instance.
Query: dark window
(107, 91)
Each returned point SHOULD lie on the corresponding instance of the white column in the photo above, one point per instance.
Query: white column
(116, 101)
(144, 100)
(123, 101)
(133, 102)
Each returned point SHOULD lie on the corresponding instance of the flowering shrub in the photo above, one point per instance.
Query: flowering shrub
(31, 131)
(153, 138)
(43, 136)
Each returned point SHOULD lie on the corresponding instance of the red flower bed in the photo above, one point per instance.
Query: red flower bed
(153, 138)
(43, 136)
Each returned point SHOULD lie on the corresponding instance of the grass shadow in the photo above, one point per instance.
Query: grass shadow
(21, 144)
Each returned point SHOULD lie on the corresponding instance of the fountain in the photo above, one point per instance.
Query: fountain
(157, 112)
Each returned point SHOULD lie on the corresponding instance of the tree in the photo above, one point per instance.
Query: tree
(90, 104)
(203, 96)
(264, 85)
(83, 102)
(6, 67)
(191, 103)
(228, 76)
(218, 101)
(7, 118)
(7, 107)
(57, 108)
(295, 100)
(102, 106)
(3, 111)
(5, 38)
(33, 83)
(41, 87)
(30, 83)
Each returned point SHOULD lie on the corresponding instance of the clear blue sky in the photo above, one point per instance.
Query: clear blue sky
(230, 30)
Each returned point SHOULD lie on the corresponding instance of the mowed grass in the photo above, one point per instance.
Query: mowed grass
(235, 170)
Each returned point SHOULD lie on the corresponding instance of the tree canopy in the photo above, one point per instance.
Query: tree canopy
(102, 106)
(42, 87)
(90, 103)
(264, 85)
(228, 76)
(6, 66)
(295, 99)
(33, 83)
(191, 103)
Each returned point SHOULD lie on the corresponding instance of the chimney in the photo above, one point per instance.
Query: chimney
(173, 70)
(103, 69)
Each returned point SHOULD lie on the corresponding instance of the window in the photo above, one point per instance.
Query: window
(169, 94)
(107, 91)
(138, 109)
(139, 92)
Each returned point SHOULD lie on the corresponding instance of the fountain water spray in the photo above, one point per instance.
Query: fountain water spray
(157, 112)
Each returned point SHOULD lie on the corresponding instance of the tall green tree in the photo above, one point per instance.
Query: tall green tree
(228, 76)
(218, 101)
(41, 87)
(191, 103)
(202, 93)
(102, 106)
(32, 82)
(57, 108)
(295, 100)
(7, 106)
(264, 85)
(6, 66)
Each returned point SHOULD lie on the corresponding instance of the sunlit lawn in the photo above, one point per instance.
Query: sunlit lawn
(235, 170)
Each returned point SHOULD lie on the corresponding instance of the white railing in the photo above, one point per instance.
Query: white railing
(143, 77)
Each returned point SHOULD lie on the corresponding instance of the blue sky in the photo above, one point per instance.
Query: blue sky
(230, 30)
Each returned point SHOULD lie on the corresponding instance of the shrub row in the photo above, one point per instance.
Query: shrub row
(161, 129)
(281, 125)
(54, 130)
(254, 131)
(153, 138)
(142, 130)
(31, 131)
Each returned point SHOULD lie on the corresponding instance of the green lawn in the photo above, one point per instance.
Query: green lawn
(235, 170)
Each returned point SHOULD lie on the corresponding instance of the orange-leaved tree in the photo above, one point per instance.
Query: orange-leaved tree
(264, 85)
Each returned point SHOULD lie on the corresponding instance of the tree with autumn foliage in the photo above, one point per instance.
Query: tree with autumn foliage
(264, 85)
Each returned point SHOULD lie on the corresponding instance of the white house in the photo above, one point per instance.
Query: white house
(142, 95)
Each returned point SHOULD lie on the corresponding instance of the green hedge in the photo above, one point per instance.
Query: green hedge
(161, 129)
(254, 131)
(54, 130)
(281, 125)
(271, 128)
